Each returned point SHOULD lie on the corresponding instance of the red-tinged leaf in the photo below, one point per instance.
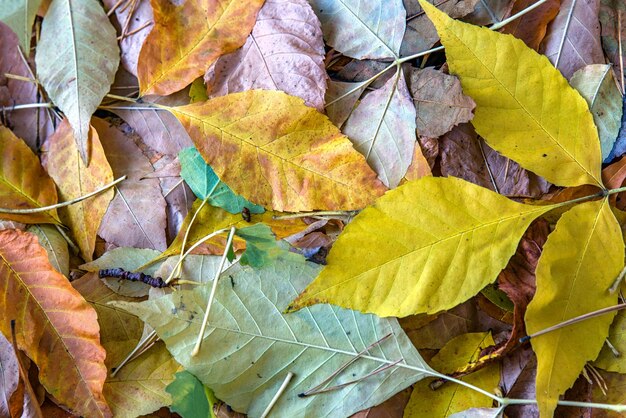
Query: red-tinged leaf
(285, 51)
(531, 27)
(200, 30)
(74, 179)
(23, 182)
(55, 326)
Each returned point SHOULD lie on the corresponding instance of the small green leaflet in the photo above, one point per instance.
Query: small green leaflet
(262, 247)
(190, 398)
(204, 182)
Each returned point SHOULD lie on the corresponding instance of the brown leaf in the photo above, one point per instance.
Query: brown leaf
(200, 30)
(419, 165)
(439, 101)
(74, 179)
(616, 394)
(518, 382)
(24, 184)
(609, 15)
(465, 155)
(9, 380)
(33, 125)
(136, 216)
(573, 37)
(285, 51)
(55, 326)
(531, 27)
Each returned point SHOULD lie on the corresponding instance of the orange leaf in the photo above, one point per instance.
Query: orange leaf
(23, 183)
(276, 152)
(55, 326)
(188, 36)
(74, 179)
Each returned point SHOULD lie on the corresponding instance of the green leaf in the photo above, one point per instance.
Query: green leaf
(197, 91)
(205, 184)
(426, 246)
(190, 398)
(262, 247)
(525, 108)
(75, 63)
(579, 262)
(599, 88)
(19, 15)
(250, 346)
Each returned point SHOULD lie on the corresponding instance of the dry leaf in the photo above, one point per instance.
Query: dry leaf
(532, 26)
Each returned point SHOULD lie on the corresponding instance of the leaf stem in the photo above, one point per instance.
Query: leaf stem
(141, 346)
(320, 213)
(63, 204)
(279, 392)
(26, 106)
(218, 272)
(121, 98)
(179, 267)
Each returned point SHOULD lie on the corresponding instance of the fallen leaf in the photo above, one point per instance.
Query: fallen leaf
(33, 125)
(201, 30)
(532, 26)
(355, 29)
(24, 182)
(620, 143)
(382, 128)
(56, 247)
(251, 319)
(439, 101)
(190, 398)
(413, 261)
(75, 64)
(391, 408)
(420, 33)
(74, 179)
(609, 16)
(285, 51)
(617, 337)
(19, 16)
(568, 267)
(9, 379)
(279, 143)
(518, 382)
(616, 394)
(262, 248)
(56, 328)
(139, 387)
(464, 154)
(489, 12)
(452, 398)
(573, 38)
(136, 215)
(206, 185)
(564, 147)
(419, 166)
(598, 87)
(341, 100)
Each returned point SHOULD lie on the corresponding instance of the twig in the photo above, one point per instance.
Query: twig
(26, 106)
(280, 391)
(115, 6)
(196, 348)
(621, 53)
(63, 204)
(313, 214)
(134, 31)
(618, 281)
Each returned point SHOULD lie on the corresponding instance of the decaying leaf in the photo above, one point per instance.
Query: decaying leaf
(532, 27)
(202, 30)
(439, 101)
(573, 38)
(570, 283)
(341, 99)
(55, 327)
(382, 128)
(75, 64)
(426, 246)
(74, 179)
(564, 147)
(289, 157)
(609, 15)
(24, 184)
(9, 379)
(312, 344)
(285, 51)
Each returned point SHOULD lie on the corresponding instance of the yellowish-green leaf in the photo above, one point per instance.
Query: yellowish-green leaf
(19, 15)
(579, 263)
(452, 398)
(617, 336)
(23, 182)
(525, 109)
(56, 247)
(276, 152)
(74, 179)
(426, 246)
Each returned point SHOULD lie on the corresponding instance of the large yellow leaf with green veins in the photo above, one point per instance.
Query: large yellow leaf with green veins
(276, 152)
(525, 109)
(426, 246)
(579, 263)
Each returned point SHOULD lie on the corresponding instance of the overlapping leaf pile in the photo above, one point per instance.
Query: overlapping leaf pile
(175, 174)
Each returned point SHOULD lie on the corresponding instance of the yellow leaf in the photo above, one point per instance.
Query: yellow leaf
(188, 36)
(23, 182)
(617, 336)
(211, 219)
(579, 263)
(74, 179)
(452, 398)
(276, 152)
(426, 246)
(525, 109)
